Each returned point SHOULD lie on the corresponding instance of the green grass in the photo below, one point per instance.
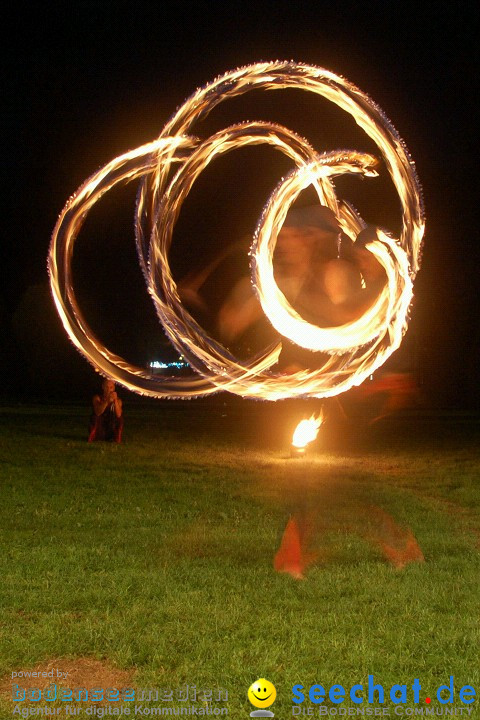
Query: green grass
(158, 554)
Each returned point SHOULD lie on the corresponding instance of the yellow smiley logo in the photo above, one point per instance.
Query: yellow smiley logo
(262, 693)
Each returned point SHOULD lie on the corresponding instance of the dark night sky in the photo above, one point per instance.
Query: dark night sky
(87, 81)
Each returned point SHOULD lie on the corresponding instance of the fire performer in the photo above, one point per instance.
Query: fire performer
(106, 422)
(328, 279)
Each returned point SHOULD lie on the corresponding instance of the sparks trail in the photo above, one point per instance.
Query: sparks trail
(355, 348)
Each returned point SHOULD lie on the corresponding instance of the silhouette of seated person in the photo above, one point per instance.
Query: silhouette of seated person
(106, 422)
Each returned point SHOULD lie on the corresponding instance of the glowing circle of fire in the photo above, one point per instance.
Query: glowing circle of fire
(353, 350)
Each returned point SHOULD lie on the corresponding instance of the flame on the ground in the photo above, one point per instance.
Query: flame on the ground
(306, 431)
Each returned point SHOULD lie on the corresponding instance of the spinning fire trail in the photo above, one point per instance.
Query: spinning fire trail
(355, 349)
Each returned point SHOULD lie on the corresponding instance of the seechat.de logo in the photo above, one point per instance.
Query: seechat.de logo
(262, 694)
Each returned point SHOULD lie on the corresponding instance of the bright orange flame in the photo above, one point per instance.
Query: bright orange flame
(306, 431)
(355, 349)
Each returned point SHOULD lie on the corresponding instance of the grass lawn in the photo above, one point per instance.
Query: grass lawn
(156, 556)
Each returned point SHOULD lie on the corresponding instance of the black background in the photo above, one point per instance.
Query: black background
(87, 81)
